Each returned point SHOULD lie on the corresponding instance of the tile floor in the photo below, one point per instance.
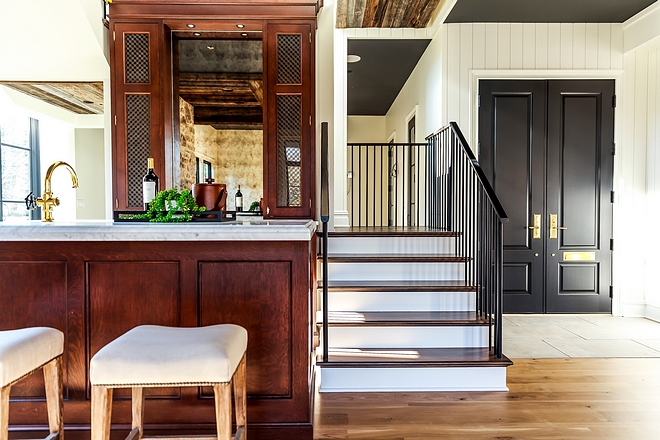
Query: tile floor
(579, 336)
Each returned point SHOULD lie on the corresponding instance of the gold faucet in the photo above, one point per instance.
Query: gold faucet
(47, 201)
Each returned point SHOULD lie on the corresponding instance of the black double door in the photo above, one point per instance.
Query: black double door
(547, 147)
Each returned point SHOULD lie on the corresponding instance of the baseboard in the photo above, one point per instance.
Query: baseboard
(634, 310)
(653, 312)
(341, 220)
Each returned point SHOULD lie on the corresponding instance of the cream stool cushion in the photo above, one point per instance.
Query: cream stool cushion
(24, 350)
(156, 355)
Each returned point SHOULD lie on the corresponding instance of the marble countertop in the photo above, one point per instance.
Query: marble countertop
(106, 230)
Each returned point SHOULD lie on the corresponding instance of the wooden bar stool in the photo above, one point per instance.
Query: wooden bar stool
(157, 356)
(22, 352)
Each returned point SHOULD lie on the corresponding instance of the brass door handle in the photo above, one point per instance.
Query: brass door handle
(537, 227)
(554, 227)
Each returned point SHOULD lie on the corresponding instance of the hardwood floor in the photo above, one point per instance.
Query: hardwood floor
(548, 399)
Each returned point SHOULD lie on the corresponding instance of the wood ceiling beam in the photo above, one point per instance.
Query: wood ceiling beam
(83, 98)
(385, 13)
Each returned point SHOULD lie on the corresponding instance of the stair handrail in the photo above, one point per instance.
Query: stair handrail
(325, 218)
(477, 167)
(464, 201)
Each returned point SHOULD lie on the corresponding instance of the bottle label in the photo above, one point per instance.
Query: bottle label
(239, 202)
(148, 191)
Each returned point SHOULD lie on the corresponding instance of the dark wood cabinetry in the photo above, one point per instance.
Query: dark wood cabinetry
(96, 291)
(144, 102)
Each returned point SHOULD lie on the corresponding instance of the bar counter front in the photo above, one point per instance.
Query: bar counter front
(95, 280)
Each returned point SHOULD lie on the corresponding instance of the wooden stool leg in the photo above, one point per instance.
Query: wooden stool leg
(54, 396)
(240, 396)
(4, 412)
(101, 412)
(138, 413)
(222, 393)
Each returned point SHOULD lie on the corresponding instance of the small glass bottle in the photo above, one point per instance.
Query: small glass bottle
(239, 199)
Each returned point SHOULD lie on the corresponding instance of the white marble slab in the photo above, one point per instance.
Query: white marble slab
(103, 230)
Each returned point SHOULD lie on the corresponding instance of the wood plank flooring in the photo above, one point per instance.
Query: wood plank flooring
(548, 399)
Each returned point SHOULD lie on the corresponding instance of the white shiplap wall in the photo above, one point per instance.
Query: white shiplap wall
(640, 181)
(517, 48)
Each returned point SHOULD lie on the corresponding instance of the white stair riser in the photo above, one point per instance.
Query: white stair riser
(408, 337)
(395, 271)
(413, 379)
(391, 245)
(401, 301)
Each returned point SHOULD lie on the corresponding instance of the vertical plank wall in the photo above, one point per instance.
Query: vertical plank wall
(519, 47)
(640, 199)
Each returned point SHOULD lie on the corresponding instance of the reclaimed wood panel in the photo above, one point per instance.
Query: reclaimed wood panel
(385, 13)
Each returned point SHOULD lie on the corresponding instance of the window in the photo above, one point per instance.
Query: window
(203, 170)
(19, 162)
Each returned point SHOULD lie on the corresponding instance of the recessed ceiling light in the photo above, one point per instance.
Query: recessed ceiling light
(190, 25)
(197, 34)
(240, 26)
(353, 58)
(244, 34)
(210, 47)
(227, 90)
(88, 102)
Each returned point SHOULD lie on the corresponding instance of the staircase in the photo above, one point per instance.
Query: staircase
(417, 308)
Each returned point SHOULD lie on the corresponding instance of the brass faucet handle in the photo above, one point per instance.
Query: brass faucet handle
(31, 202)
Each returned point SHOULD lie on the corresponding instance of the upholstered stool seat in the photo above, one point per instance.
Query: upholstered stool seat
(157, 356)
(22, 352)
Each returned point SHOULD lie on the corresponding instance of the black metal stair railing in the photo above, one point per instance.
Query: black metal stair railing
(441, 186)
(325, 218)
(461, 200)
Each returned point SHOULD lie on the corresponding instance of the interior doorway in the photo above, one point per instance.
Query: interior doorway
(547, 147)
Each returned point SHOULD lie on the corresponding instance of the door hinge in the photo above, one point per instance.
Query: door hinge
(478, 100)
(611, 244)
(117, 203)
(613, 148)
(611, 291)
(614, 101)
(611, 196)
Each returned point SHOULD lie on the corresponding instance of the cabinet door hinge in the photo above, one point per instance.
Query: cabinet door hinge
(115, 119)
(116, 203)
(613, 148)
(611, 196)
(614, 101)
(310, 37)
(114, 36)
(310, 203)
(611, 244)
(310, 119)
(478, 100)
(611, 291)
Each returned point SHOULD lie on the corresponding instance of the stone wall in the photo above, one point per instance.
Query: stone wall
(238, 160)
(187, 146)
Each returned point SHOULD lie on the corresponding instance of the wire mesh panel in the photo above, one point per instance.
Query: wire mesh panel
(137, 58)
(288, 150)
(289, 51)
(138, 139)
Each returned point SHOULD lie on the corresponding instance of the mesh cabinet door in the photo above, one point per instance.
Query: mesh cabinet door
(289, 179)
(136, 102)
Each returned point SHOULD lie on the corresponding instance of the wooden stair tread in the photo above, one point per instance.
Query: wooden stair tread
(403, 319)
(400, 286)
(412, 357)
(389, 232)
(396, 258)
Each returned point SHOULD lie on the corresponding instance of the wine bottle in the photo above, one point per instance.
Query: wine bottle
(149, 184)
(239, 199)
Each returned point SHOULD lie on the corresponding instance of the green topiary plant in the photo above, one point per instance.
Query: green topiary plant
(172, 206)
